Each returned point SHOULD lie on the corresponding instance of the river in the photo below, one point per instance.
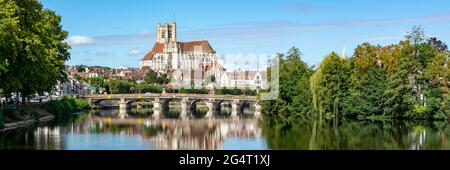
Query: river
(108, 130)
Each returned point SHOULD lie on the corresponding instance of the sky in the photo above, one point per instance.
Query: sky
(118, 33)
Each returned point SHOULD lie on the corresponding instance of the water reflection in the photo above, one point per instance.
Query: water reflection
(109, 129)
(137, 130)
(314, 134)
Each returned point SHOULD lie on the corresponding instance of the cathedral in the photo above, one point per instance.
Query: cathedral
(187, 62)
(194, 63)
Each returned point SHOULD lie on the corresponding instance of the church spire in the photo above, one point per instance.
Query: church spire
(174, 20)
(344, 53)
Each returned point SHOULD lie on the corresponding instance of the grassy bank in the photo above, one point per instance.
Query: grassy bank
(58, 108)
(66, 106)
(21, 113)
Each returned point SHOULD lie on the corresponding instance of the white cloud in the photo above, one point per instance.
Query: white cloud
(144, 33)
(135, 52)
(104, 54)
(276, 28)
(80, 40)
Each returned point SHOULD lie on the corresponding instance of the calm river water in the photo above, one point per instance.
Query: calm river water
(108, 130)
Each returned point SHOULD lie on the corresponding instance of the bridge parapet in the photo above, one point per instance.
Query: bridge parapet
(169, 95)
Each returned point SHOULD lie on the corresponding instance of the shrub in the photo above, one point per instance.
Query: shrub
(148, 88)
(35, 115)
(249, 92)
(193, 91)
(67, 105)
(236, 91)
(120, 86)
(10, 113)
(54, 107)
(82, 105)
(420, 111)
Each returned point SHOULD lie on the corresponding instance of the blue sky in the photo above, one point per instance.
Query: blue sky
(118, 33)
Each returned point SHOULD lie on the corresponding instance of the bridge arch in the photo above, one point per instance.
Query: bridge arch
(246, 106)
(224, 108)
(101, 102)
(139, 100)
(172, 107)
(193, 108)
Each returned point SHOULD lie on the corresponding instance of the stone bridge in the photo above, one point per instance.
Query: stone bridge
(188, 102)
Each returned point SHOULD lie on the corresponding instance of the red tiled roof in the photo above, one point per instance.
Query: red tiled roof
(193, 46)
(185, 47)
(149, 55)
(157, 48)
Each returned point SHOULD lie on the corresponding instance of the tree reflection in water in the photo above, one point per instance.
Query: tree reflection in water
(308, 133)
(137, 130)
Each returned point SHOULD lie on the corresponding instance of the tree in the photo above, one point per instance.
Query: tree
(78, 77)
(153, 77)
(8, 31)
(81, 68)
(417, 79)
(416, 35)
(437, 88)
(295, 97)
(399, 97)
(120, 87)
(97, 82)
(329, 85)
(366, 83)
(163, 79)
(213, 78)
(33, 45)
(410, 79)
(437, 44)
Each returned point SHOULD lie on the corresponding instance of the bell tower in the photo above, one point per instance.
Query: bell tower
(166, 33)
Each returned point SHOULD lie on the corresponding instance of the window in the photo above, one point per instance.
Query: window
(163, 34)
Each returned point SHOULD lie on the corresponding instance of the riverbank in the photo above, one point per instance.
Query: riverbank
(20, 124)
(25, 115)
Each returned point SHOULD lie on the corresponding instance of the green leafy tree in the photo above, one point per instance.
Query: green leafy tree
(120, 87)
(153, 77)
(366, 83)
(421, 70)
(399, 97)
(410, 79)
(97, 82)
(295, 97)
(437, 87)
(8, 32)
(329, 85)
(34, 48)
(213, 78)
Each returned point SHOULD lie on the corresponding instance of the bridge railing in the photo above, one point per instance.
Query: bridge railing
(168, 95)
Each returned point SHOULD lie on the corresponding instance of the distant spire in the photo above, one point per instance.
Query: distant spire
(344, 53)
(173, 18)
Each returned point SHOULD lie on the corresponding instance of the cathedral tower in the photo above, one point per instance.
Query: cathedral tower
(166, 33)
